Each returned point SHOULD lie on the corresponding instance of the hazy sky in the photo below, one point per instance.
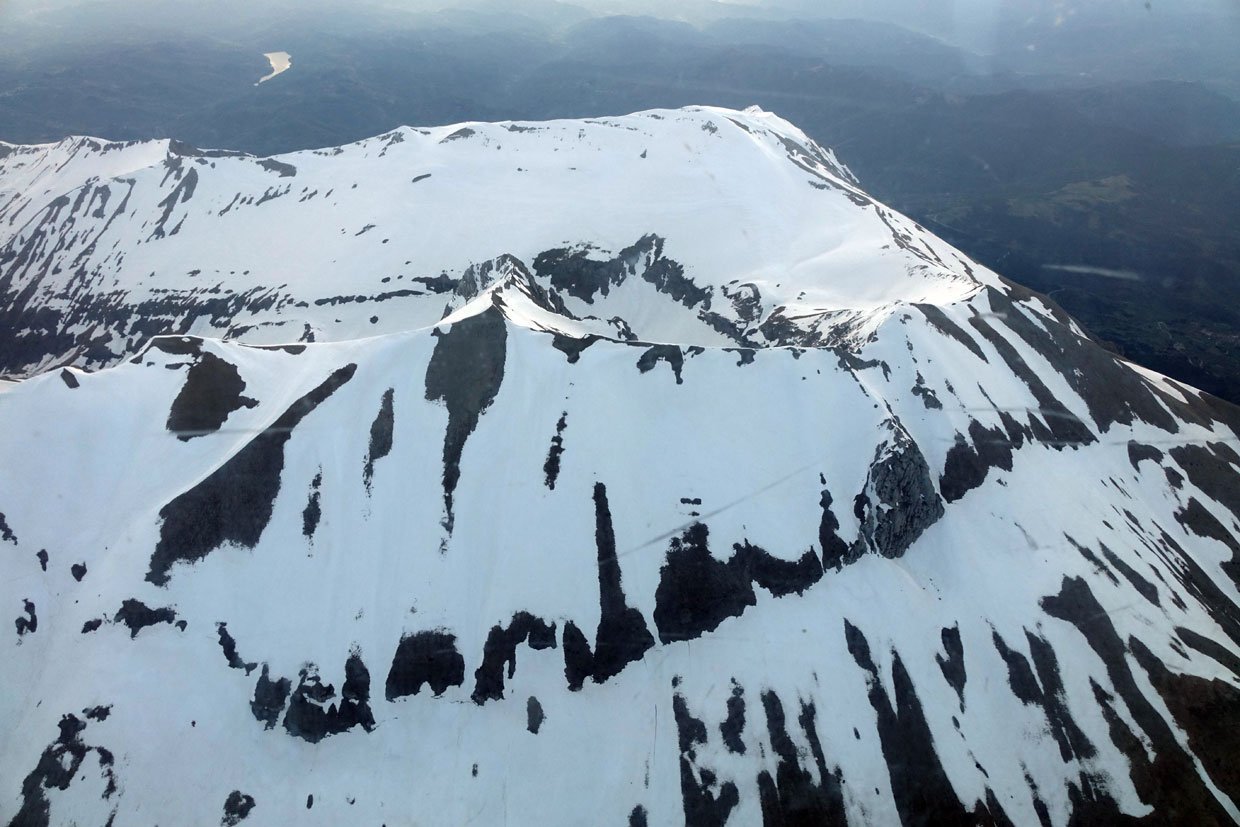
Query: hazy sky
(981, 26)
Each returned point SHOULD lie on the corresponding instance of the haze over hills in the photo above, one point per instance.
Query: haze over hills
(640, 468)
(1029, 160)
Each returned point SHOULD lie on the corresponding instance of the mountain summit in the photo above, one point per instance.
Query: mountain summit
(634, 470)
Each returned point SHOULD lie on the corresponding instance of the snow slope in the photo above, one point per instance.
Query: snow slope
(668, 478)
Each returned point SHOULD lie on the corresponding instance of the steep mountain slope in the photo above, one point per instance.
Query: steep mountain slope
(639, 469)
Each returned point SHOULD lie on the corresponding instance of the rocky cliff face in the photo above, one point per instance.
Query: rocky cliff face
(636, 470)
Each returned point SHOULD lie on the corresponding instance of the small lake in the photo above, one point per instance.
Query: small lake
(280, 62)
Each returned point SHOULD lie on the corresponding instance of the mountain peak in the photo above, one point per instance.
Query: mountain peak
(652, 469)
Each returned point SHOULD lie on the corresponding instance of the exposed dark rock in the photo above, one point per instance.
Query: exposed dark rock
(380, 437)
(622, 636)
(177, 345)
(1221, 608)
(1113, 392)
(78, 570)
(279, 167)
(269, 698)
(968, 464)
(928, 397)
(236, 807)
(41, 555)
(534, 715)
(60, 765)
(465, 372)
(6, 533)
(667, 276)
(662, 353)
(923, 794)
(1138, 451)
(1144, 587)
(181, 193)
(230, 650)
(233, 504)
(578, 658)
(899, 481)
(1197, 518)
(1210, 648)
(551, 468)
(1062, 428)
(697, 592)
(313, 512)
(137, 616)
(1169, 782)
(313, 712)
(703, 806)
(211, 392)
(68, 378)
(637, 818)
(734, 724)
(1054, 700)
(1207, 710)
(30, 623)
(98, 713)
(500, 652)
(952, 663)
(944, 324)
(1072, 742)
(571, 346)
(425, 658)
(1099, 566)
(779, 330)
(1215, 470)
(792, 797)
(460, 134)
(575, 273)
(91, 625)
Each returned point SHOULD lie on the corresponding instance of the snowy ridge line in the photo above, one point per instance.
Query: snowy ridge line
(182, 238)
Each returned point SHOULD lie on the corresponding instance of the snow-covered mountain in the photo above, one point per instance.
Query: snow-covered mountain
(637, 470)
